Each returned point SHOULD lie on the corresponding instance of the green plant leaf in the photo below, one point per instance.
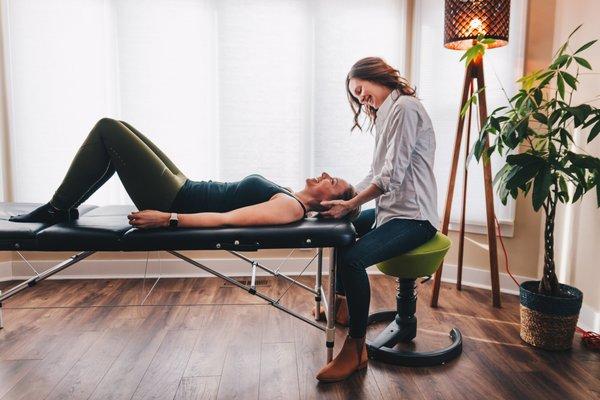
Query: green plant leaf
(472, 53)
(565, 136)
(564, 190)
(575, 30)
(583, 161)
(503, 171)
(561, 85)
(522, 129)
(478, 148)
(527, 81)
(560, 61)
(471, 100)
(546, 79)
(580, 114)
(503, 193)
(528, 187)
(593, 120)
(499, 145)
(552, 151)
(494, 123)
(465, 54)
(541, 188)
(541, 118)
(524, 175)
(583, 62)
(538, 96)
(490, 150)
(594, 132)
(570, 79)
(523, 159)
(554, 116)
(561, 49)
(513, 193)
(578, 193)
(585, 46)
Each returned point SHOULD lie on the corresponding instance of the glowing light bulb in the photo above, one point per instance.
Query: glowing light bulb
(476, 27)
(476, 24)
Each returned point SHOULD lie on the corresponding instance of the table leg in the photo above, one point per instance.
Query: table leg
(318, 284)
(330, 331)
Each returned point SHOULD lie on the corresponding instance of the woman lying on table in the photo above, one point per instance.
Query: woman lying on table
(166, 197)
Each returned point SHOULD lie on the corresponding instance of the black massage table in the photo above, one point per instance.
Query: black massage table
(107, 229)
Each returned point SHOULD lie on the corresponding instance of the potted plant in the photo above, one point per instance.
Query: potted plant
(541, 120)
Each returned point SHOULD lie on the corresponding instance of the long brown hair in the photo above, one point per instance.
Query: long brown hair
(376, 70)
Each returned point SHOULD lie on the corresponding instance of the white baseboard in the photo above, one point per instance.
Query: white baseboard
(5, 271)
(589, 318)
(480, 278)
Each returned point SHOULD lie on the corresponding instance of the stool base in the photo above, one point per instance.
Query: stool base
(381, 348)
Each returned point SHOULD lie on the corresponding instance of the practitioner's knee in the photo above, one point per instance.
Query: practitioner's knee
(351, 260)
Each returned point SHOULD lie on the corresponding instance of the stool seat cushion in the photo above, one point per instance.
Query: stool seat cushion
(421, 261)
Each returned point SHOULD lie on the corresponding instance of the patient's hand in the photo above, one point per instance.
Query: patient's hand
(149, 219)
(336, 208)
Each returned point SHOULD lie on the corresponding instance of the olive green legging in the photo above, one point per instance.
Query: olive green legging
(150, 178)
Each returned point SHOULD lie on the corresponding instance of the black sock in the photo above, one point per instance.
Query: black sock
(47, 213)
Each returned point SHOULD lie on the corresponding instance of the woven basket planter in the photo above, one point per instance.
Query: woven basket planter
(549, 322)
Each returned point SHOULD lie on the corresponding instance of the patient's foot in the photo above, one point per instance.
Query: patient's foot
(47, 214)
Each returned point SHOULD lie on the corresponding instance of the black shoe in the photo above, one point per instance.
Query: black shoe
(47, 214)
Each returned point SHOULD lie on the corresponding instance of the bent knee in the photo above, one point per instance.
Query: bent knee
(352, 261)
(106, 121)
(108, 127)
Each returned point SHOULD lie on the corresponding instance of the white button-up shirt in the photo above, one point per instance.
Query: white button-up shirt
(402, 165)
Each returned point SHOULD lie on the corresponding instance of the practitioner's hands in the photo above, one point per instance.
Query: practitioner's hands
(336, 208)
(149, 219)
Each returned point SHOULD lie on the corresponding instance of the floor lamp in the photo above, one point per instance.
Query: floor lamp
(464, 21)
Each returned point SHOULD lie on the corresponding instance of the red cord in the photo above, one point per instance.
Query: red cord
(589, 339)
(504, 250)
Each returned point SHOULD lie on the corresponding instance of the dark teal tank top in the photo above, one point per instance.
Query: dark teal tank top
(211, 196)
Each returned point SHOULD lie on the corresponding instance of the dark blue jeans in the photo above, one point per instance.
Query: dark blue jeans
(393, 238)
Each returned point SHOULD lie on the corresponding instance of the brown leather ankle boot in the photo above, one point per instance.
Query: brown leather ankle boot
(341, 311)
(351, 358)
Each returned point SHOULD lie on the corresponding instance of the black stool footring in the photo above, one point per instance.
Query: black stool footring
(403, 329)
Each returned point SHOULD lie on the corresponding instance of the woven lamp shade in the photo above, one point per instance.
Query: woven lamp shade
(465, 19)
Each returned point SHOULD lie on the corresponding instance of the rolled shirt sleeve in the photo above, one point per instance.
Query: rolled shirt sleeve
(366, 181)
(401, 144)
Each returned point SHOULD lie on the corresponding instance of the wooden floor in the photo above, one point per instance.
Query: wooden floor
(198, 339)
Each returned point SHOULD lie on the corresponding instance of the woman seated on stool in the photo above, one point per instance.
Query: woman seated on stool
(402, 183)
(166, 197)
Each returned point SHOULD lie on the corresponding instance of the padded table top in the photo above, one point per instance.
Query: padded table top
(22, 235)
(107, 228)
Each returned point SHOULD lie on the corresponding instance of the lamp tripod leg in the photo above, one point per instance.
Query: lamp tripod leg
(461, 243)
(489, 194)
(452, 179)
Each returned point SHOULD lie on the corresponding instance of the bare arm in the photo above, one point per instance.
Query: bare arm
(277, 211)
(339, 208)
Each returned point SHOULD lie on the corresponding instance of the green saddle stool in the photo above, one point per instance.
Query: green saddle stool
(420, 262)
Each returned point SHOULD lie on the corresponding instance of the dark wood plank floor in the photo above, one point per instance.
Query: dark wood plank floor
(196, 339)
